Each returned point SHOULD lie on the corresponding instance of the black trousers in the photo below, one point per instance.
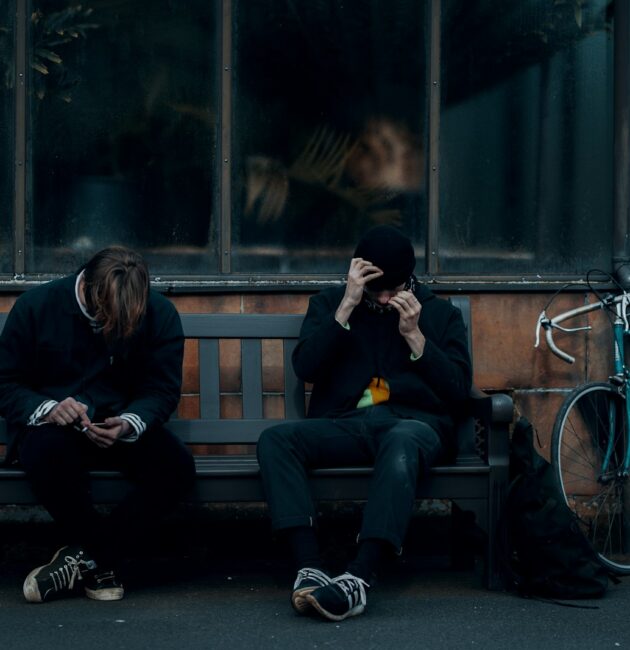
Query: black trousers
(400, 451)
(56, 460)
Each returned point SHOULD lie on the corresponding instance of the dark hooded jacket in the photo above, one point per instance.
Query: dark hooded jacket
(340, 363)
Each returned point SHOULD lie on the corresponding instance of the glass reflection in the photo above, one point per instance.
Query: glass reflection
(526, 137)
(329, 130)
(122, 104)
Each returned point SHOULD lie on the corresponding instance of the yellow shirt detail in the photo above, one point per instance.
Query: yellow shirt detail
(377, 392)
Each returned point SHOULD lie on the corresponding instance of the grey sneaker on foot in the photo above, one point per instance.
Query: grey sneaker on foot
(58, 578)
(307, 581)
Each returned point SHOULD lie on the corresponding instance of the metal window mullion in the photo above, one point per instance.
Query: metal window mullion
(433, 185)
(225, 145)
(19, 217)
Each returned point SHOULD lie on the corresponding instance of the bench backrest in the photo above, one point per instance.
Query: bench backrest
(251, 329)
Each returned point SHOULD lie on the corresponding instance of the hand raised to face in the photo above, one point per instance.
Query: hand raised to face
(409, 308)
(360, 273)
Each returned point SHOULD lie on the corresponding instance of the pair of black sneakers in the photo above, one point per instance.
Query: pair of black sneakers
(333, 598)
(70, 570)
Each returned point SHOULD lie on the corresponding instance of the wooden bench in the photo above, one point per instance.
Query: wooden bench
(475, 482)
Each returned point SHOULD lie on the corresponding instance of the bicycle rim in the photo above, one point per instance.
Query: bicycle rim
(599, 499)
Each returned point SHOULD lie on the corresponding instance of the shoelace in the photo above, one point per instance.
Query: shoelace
(106, 576)
(65, 576)
(353, 588)
(312, 574)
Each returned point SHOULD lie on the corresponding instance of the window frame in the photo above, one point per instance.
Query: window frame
(226, 280)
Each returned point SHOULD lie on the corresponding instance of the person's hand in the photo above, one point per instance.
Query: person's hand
(409, 308)
(68, 411)
(361, 272)
(106, 436)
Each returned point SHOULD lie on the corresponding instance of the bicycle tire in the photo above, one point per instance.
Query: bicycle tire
(600, 503)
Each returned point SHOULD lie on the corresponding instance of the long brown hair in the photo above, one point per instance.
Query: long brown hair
(116, 286)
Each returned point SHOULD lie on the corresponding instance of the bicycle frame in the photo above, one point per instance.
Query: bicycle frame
(620, 379)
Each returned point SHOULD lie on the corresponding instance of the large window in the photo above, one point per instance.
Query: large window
(123, 118)
(257, 139)
(329, 129)
(526, 137)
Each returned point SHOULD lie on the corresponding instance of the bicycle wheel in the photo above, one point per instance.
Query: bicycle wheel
(600, 497)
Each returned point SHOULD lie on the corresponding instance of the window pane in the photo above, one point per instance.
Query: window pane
(329, 126)
(123, 106)
(7, 129)
(526, 137)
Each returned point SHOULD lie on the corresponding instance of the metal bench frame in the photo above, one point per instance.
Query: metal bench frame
(477, 480)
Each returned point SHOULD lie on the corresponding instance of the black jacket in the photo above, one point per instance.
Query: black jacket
(340, 362)
(48, 350)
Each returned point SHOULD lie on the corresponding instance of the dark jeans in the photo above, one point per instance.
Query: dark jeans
(56, 461)
(401, 451)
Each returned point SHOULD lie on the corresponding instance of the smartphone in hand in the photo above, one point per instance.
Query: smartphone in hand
(80, 427)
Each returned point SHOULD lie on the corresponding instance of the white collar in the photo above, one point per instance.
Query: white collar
(78, 297)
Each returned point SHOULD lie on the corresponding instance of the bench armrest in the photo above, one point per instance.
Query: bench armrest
(502, 408)
(494, 413)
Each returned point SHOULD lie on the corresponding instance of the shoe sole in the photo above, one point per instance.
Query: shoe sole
(355, 611)
(105, 594)
(30, 589)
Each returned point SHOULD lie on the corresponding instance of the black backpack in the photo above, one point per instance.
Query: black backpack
(544, 552)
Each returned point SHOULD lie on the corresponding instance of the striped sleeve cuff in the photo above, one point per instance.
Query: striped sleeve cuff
(137, 425)
(41, 412)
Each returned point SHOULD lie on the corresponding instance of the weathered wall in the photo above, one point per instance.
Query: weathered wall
(503, 349)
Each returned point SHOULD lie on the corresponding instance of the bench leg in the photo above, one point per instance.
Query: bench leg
(493, 575)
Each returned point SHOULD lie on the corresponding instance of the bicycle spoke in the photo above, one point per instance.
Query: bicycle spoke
(590, 426)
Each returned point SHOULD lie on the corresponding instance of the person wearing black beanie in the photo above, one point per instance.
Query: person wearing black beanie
(389, 365)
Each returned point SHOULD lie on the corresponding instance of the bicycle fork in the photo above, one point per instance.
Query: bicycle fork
(621, 379)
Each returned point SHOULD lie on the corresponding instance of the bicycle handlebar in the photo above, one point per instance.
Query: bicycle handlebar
(549, 324)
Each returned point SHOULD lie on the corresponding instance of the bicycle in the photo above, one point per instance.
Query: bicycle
(590, 450)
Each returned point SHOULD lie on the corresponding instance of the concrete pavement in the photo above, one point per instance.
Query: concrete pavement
(222, 584)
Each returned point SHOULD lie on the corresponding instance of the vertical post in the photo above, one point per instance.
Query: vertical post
(19, 217)
(225, 145)
(432, 250)
(621, 137)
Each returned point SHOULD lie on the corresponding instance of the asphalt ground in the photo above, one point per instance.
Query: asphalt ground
(216, 580)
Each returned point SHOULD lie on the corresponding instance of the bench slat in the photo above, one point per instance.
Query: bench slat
(241, 326)
(209, 397)
(215, 431)
(294, 407)
(251, 378)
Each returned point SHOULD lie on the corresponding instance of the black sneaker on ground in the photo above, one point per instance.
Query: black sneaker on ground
(58, 578)
(345, 596)
(307, 581)
(102, 585)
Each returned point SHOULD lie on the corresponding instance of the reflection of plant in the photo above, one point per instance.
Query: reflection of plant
(358, 172)
(50, 31)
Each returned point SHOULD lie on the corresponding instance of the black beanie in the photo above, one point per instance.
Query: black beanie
(390, 250)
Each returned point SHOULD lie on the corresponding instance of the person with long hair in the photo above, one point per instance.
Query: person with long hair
(90, 370)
